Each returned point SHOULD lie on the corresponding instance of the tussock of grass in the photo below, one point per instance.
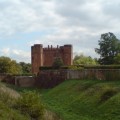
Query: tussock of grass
(7, 113)
(7, 101)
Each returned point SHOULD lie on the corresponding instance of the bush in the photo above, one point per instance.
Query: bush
(57, 63)
(24, 74)
(102, 67)
(29, 103)
(45, 68)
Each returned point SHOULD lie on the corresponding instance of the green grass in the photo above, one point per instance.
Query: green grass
(82, 99)
(85, 100)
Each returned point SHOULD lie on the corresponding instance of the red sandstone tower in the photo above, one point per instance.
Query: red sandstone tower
(45, 56)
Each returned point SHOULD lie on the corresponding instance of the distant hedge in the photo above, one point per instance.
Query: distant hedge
(46, 68)
(25, 74)
(78, 67)
(103, 67)
(73, 67)
(52, 68)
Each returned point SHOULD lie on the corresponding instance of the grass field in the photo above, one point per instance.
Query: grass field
(85, 100)
(76, 100)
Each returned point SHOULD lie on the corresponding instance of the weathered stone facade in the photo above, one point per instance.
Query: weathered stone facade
(51, 78)
(45, 56)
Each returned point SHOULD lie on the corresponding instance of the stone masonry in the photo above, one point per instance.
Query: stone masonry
(45, 56)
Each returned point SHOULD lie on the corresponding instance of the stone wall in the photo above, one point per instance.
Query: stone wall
(50, 78)
(97, 74)
(25, 81)
(2, 76)
(75, 74)
(7, 78)
(57, 76)
(22, 81)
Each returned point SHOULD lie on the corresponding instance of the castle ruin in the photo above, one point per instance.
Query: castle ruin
(45, 56)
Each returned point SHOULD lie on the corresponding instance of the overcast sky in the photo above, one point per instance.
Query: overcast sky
(55, 22)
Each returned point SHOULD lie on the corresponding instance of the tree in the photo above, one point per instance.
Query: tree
(9, 66)
(109, 47)
(117, 59)
(26, 67)
(57, 62)
(84, 60)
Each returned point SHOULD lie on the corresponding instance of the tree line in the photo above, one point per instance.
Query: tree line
(7, 65)
(109, 51)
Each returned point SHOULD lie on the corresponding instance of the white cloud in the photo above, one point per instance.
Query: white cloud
(21, 55)
(16, 54)
(5, 51)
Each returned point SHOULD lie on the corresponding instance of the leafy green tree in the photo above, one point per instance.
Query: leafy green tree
(117, 59)
(9, 66)
(109, 47)
(84, 60)
(26, 67)
(57, 62)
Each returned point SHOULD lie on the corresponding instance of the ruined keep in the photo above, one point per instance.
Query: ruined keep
(45, 56)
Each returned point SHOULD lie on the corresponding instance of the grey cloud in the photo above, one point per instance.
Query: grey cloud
(112, 9)
(89, 14)
(22, 16)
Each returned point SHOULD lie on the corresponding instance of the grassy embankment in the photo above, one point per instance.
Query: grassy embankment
(80, 100)
(22, 103)
(85, 100)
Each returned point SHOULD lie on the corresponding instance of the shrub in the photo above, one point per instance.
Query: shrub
(29, 103)
(71, 67)
(45, 68)
(57, 63)
(102, 67)
(24, 74)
